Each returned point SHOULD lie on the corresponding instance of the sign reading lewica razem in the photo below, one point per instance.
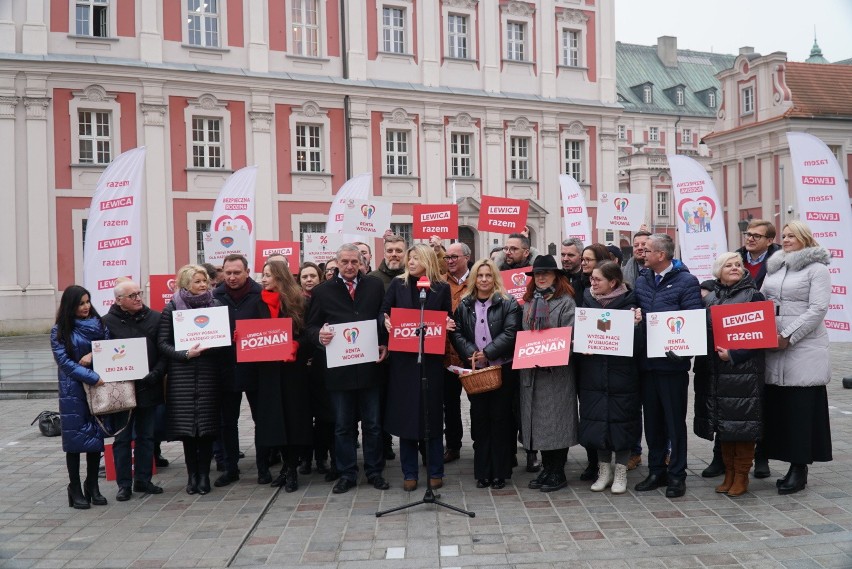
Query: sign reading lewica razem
(683, 332)
(441, 220)
(544, 348)
(404, 338)
(502, 215)
(352, 343)
(516, 282)
(220, 244)
(264, 340)
(747, 325)
(120, 360)
(208, 327)
(161, 291)
(367, 217)
(321, 247)
(621, 211)
(290, 250)
(602, 331)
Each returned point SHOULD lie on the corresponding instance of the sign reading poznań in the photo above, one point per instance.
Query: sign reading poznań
(544, 348)
(264, 340)
(403, 335)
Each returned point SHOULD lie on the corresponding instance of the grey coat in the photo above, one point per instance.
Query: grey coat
(549, 416)
(799, 284)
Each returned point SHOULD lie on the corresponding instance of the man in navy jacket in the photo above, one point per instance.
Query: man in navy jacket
(667, 285)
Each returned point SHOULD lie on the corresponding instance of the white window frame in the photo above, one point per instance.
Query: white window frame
(461, 163)
(648, 95)
(386, 39)
(467, 11)
(458, 42)
(311, 114)
(621, 131)
(654, 134)
(399, 120)
(747, 100)
(101, 145)
(209, 107)
(516, 48)
(397, 156)
(309, 143)
(209, 161)
(686, 136)
(573, 159)
(519, 13)
(521, 128)
(573, 134)
(462, 124)
(192, 219)
(298, 6)
(662, 205)
(571, 48)
(110, 18)
(680, 98)
(520, 150)
(221, 22)
(95, 99)
(711, 99)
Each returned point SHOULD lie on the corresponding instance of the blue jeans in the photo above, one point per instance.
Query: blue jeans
(142, 425)
(409, 456)
(347, 407)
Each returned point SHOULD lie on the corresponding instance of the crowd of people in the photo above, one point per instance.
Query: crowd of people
(755, 404)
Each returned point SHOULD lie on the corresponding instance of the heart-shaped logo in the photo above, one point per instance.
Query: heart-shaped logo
(368, 210)
(228, 223)
(202, 320)
(620, 204)
(697, 214)
(675, 324)
(227, 241)
(170, 284)
(519, 279)
(350, 334)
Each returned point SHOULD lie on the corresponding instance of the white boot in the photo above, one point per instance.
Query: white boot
(604, 477)
(619, 483)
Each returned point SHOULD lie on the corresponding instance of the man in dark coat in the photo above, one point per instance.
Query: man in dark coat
(517, 251)
(572, 255)
(242, 296)
(130, 318)
(355, 390)
(667, 285)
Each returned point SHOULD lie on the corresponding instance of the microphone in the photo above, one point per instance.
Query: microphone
(423, 285)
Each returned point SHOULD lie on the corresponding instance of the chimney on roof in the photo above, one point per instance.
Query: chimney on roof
(746, 50)
(667, 50)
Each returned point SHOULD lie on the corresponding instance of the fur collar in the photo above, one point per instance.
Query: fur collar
(797, 260)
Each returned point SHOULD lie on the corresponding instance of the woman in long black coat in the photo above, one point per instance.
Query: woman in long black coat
(610, 398)
(404, 409)
(194, 381)
(283, 418)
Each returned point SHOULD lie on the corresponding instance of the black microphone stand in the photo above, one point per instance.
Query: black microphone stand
(430, 497)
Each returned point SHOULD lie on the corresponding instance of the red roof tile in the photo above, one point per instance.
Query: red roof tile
(819, 90)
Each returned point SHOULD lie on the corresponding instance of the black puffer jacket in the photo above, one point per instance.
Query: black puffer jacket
(504, 321)
(610, 397)
(143, 324)
(193, 386)
(728, 394)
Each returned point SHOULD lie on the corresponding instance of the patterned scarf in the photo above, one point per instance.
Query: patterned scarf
(605, 299)
(185, 300)
(539, 314)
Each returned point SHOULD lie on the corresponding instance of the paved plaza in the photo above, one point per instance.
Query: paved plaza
(246, 525)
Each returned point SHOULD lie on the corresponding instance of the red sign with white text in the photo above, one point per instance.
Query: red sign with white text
(403, 335)
(264, 340)
(746, 325)
(502, 215)
(290, 249)
(516, 282)
(545, 348)
(162, 288)
(441, 220)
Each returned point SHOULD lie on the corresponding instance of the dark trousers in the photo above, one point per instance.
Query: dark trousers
(492, 428)
(347, 405)
(72, 462)
(664, 402)
(142, 427)
(452, 411)
(231, 402)
(409, 455)
(197, 452)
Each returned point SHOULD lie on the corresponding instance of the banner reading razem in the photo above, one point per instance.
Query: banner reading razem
(113, 246)
(574, 210)
(234, 209)
(701, 227)
(823, 203)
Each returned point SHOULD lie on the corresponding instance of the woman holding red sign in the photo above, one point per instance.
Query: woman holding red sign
(729, 383)
(404, 407)
(487, 320)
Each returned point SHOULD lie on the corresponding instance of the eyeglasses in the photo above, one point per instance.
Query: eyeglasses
(133, 295)
(452, 257)
(754, 236)
(513, 249)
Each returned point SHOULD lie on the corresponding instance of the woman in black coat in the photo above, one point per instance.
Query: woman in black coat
(403, 415)
(194, 382)
(729, 383)
(486, 322)
(610, 397)
(283, 415)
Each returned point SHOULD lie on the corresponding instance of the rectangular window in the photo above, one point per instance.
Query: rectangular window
(308, 148)
(404, 230)
(202, 226)
(679, 97)
(663, 205)
(570, 48)
(748, 101)
(460, 155)
(686, 136)
(305, 28)
(622, 132)
(202, 23)
(515, 48)
(574, 159)
(654, 134)
(457, 36)
(396, 150)
(519, 159)
(647, 95)
(711, 100)
(206, 142)
(94, 136)
(91, 18)
(393, 30)
(309, 227)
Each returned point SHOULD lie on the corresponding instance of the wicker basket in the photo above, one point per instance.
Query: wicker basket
(481, 380)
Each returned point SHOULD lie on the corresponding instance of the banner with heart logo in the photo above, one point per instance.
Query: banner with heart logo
(574, 211)
(516, 282)
(700, 220)
(162, 287)
(209, 327)
(353, 343)
(369, 218)
(623, 212)
(683, 332)
(220, 244)
(234, 210)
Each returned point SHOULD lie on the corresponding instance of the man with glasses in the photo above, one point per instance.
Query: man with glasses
(517, 252)
(758, 248)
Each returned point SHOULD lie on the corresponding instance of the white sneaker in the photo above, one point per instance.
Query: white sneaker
(604, 477)
(619, 483)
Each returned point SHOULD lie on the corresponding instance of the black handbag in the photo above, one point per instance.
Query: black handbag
(48, 423)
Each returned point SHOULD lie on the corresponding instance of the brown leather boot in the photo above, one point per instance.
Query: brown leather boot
(727, 451)
(742, 465)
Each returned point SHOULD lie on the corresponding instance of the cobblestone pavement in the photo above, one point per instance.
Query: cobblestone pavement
(250, 525)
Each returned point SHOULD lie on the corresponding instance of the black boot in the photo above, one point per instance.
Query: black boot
(556, 480)
(305, 466)
(192, 483)
(536, 483)
(797, 479)
(533, 465)
(160, 460)
(591, 471)
(761, 463)
(781, 481)
(76, 499)
(291, 480)
(717, 465)
(93, 493)
(204, 479)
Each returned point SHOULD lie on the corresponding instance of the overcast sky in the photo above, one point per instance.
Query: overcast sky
(723, 26)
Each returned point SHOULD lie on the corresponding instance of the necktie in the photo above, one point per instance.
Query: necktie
(657, 279)
(351, 286)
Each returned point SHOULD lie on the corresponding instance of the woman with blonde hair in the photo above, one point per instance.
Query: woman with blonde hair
(192, 390)
(487, 320)
(404, 416)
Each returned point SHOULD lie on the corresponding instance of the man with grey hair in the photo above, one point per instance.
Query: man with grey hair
(572, 254)
(354, 390)
(667, 285)
(128, 317)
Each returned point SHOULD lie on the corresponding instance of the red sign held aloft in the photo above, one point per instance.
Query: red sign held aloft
(441, 220)
(502, 215)
(264, 340)
(162, 288)
(545, 348)
(290, 249)
(746, 325)
(403, 335)
(516, 282)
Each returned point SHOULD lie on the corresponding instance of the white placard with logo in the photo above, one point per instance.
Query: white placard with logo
(621, 211)
(353, 343)
(367, 217)
(602, 331)
(120, 360)
(220, 244)
(683, 332)
(209, 327)
(321, 247)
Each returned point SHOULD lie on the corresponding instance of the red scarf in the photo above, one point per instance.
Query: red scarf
(272, 300)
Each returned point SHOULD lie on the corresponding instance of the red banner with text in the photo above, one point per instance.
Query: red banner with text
(162, 288)
(441, 220)
(264, 340)
(403, 335)
(290, 250)
(747, 325)
(502, 215)
(544, 348)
